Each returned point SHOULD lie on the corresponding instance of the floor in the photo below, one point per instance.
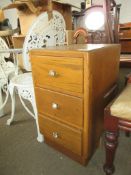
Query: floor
(21, 154)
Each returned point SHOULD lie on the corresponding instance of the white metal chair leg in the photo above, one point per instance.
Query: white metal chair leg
(1, 102)
(40, 137)
(12, 94)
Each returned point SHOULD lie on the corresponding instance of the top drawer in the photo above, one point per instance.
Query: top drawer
(61, 73)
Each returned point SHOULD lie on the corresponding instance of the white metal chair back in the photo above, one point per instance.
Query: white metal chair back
(44, 33)
(3, 46)
(7, 66)
(6, 69)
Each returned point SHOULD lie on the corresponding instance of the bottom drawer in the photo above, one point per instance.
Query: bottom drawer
(64, 135)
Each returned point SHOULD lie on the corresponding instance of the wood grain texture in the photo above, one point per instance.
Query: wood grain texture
(67, 136)
(93, 69)
(125, 37)
(66, 151)
(101, 72)
(69, 73)
(69, 111)
(125, 45)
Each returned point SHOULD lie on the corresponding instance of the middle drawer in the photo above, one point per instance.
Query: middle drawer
(66, 108)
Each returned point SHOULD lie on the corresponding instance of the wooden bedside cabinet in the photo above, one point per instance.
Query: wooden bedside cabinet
(70, 85)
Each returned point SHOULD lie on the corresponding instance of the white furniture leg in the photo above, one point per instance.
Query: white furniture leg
(40, 137)
(12, 95)
(1, 102)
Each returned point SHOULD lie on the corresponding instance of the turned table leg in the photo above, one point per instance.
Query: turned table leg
(110, 146)
(111, 142)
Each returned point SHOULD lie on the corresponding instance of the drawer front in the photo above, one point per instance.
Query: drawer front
(61, 134)
(58, 72)
(125, 34)
(64, 107)
(125, 46)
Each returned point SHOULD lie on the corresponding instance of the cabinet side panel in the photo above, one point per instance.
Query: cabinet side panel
(101, 68)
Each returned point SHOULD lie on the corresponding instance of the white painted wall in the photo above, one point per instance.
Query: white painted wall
(101, 1)
(97, 2)
(11, 14)
(4, 3)
(125, 14)
(73, 2)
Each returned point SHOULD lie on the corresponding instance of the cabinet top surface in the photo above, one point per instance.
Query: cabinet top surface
(75, 47)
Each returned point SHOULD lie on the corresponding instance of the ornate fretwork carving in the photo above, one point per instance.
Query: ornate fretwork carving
(44, 33)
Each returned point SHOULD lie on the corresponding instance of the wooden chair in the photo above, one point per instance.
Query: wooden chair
(117, 117)
(80, 32)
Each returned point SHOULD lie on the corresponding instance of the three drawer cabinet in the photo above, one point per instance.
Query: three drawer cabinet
(70, 84)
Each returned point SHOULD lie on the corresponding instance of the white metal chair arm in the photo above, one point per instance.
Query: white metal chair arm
(17, 51)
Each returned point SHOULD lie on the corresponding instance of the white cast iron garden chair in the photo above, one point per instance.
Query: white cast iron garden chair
(43, 33)
(7, 70)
